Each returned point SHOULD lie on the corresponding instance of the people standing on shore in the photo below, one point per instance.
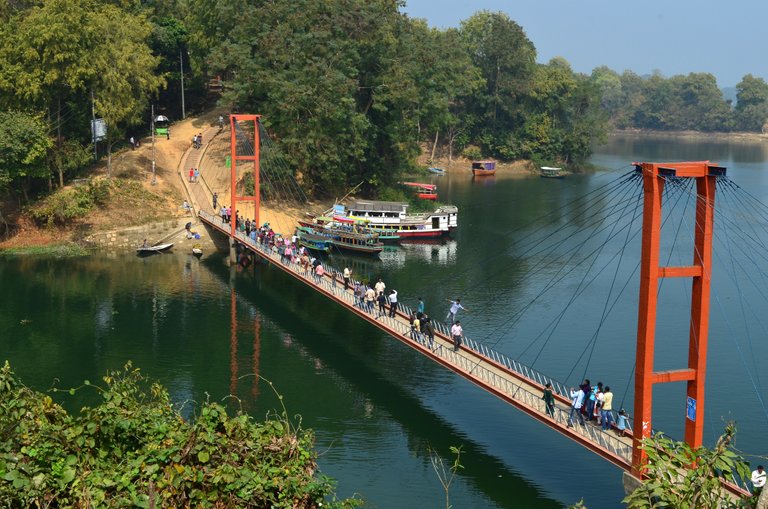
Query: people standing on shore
(215, 199)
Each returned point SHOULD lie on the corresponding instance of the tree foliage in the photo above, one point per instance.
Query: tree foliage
(135, 450)
(685, 478)
(24, 145)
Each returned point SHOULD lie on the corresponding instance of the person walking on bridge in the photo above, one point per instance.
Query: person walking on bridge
(427, 330)
(758, 479)
(392, 303)
(347, 275)
(607, 410)
(456, 333)
(455, 306)
(549, 400)
(577, 401)
(380, 287)
(420, 309)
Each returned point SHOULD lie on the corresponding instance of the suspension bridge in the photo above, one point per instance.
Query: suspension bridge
(520, 384)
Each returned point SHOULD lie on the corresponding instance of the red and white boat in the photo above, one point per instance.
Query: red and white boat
(393, 216)
(423, 191)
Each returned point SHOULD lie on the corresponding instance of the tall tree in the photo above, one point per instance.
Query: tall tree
(506, 58)
(751, 110)
(64, 49)
(24, 144)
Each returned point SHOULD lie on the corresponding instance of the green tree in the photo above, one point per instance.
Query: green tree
(685, 478)
(499, 47)
(58, 53)
(751, 110)
(24, 145)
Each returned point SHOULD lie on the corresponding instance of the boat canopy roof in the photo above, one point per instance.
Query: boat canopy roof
(552, 168)
(483, 165)
(430, 187)
(377, 206)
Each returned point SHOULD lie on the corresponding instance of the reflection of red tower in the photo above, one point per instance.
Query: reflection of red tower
(256, 354)
(233, 342)
(654, 176)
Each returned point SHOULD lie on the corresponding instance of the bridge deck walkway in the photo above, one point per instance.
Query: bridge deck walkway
(503, 377)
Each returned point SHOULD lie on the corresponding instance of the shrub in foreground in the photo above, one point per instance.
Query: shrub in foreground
(135, 450)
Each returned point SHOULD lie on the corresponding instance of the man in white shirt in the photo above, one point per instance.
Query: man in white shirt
(380, 287)
(577, 400)
(758, 479)
(456, 332)
(455, 306)
(392, 303)
(347, 275)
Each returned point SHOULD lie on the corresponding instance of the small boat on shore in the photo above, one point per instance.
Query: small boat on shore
(483, 168)
(147, 250)
(552, 172)
(197, 250)
(436, 171)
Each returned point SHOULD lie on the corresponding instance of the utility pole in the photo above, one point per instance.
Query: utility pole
(152, 126)
(93, 126)
(181, 72)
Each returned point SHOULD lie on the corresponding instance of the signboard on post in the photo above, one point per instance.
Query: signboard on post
(98, 129)
(690, 409)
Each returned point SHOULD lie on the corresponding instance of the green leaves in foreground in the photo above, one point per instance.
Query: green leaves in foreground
(134, 447)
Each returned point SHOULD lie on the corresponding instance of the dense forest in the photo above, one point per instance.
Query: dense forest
(352, 90)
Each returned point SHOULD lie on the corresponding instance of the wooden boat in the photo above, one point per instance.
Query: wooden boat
(344, 238)
(483, 168)
(436, 171)
(197, 250)
(144, 250)
(361, 243)
(423, 191)
(307, 237)
(552, 173)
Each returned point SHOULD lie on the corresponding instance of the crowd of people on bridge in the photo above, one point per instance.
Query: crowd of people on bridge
(590, 404)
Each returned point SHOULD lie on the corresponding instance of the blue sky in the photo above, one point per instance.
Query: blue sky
(726, 38)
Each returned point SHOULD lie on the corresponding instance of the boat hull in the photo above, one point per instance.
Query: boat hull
(483, 173)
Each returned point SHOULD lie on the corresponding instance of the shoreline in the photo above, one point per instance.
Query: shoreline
(735, 136)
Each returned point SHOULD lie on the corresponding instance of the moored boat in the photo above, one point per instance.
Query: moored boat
(146, 249)
(483, 168)
(423, 191)
(552, 173)
(389, 216)
(436, 171)
(306, 236)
